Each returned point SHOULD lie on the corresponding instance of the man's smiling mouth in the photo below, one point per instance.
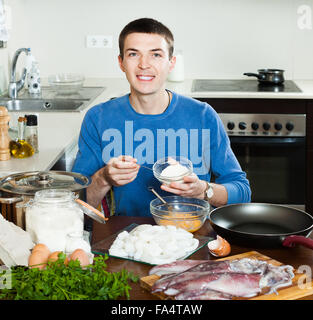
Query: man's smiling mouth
(145, 78)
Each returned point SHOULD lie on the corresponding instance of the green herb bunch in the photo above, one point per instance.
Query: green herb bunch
(68, 282)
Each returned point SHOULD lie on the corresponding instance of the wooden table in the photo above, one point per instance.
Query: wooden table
(294, 256)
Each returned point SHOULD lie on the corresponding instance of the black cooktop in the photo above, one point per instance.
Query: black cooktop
(202, 85)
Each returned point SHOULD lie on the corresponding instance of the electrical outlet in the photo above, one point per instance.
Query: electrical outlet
(99, 41)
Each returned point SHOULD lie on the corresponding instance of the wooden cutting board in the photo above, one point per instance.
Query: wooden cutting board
(292, 292)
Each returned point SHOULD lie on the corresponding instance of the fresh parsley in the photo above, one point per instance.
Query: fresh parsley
(68, 282)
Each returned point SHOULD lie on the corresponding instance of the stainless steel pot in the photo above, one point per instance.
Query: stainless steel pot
(17, 189)
(268, 76)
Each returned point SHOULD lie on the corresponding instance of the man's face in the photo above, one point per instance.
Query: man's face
(146, 62)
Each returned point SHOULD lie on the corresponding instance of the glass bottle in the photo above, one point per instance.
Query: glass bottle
(31, 131)
(33, 79)
(75, 240)
(20, 148)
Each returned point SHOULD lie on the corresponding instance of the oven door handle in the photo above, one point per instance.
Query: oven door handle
(295, 141)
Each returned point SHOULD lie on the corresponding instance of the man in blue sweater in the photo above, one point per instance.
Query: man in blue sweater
(150, 123)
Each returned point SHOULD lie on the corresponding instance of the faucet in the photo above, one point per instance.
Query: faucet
(16, 86)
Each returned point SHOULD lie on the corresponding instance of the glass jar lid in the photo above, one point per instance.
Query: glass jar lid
(28, 183)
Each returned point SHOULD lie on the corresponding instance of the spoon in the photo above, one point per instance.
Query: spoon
(141, 166)
(92, 212)
(169, 207)
(124, 160)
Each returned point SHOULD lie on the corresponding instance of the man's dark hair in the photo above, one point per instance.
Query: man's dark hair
(146, 25)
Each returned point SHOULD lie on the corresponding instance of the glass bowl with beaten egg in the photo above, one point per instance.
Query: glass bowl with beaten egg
(186, 213)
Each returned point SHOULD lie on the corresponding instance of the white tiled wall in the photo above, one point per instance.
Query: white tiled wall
(219, 38)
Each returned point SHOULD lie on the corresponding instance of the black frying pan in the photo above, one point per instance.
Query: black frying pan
(262, 225)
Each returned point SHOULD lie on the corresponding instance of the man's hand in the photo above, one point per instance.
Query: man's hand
(192, 187)
(121, 170)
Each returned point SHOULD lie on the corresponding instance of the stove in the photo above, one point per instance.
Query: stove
(205, 85)
(267, 137)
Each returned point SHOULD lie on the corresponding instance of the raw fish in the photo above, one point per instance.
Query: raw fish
(235, 284)
(277, 277)
(247, 265)
(220, 280)
(205, 295)
(175, 267)
(191, 273)
(167, 281)
(239, 265)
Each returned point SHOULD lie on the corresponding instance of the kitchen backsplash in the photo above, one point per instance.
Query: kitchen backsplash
(219, 39)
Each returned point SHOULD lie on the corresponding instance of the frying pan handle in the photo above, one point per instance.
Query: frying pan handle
(259, 76)
(291, 241)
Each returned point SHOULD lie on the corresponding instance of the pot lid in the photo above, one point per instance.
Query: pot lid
(28, 183)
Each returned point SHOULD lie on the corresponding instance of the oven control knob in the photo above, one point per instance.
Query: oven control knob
(266, 126)
(230, 125)
(242, 125)
(289, 126)
(278, 126)
(254, 126)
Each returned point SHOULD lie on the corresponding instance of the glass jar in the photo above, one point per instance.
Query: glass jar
(76, 241)
(51, 216)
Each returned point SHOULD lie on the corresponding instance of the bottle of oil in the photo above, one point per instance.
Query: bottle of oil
(20, 148)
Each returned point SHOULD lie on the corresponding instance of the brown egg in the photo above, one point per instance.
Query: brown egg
(81, 256)
(40, 246)
(38, 259)
(54, 256)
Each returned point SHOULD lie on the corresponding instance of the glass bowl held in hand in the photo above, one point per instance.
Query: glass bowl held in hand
(172, 169)
(186, 213)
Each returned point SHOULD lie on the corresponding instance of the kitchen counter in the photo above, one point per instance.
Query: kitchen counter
(296, 256)
(185, 87)
(59, 131)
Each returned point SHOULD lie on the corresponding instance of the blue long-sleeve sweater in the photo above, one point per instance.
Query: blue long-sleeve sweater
(187, 128)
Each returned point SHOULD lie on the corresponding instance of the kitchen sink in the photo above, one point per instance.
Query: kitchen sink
(51, 101)
(43, 105)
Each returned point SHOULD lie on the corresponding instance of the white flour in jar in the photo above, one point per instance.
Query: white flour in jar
(51, 225)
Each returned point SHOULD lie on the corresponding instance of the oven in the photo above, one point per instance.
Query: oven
(271, 150)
